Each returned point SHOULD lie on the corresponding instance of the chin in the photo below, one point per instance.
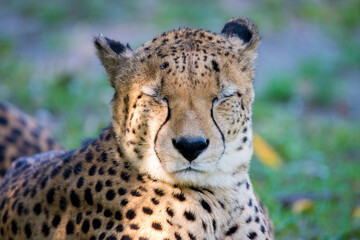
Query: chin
(189, 177)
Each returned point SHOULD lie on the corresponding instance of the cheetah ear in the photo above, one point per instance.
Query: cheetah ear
(113, 55)
(244, 29)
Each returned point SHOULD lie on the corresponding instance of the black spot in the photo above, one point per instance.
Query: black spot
(125, 176)
(155, 201)
(119, 228)
(252, 235)
(37, 209)
(206, 206)
(112, 237)
(109, 225)
(80, 182)
(92, 170)
(78, 218)
(170, 212)
(89, 156)
(134, 226)
(147, 210)
(262, 229)
(156, 226)
(135, 193)
(111, 171)
(62, 203)
(67, 173)
(177, 236)
(69, 228)
(118, 215)
(257, 219)
(214, 224)
(56, 220)
(232, 230)
(107, 213)
(50, 196)
(159, 192)
(88, 196)
(45, 229)
(191, 236)
(126, 237)
(14, 227)
(164, 65)
(121, 191)
(179, 196)
(124, 202)
(130, 214)
(96, 223)
(98, 186)
(77, 168)
(189, 216)
(99, 208)
(85, 226)
(110, 195)
(103, 156)
(102, 236)
(28, 231)
(74, 198)
(215, 66)
(249, 219)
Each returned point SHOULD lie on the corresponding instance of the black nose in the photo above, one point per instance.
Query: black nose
(190, 148)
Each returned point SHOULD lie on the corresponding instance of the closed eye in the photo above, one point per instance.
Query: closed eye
(151, 91)
(227, 92)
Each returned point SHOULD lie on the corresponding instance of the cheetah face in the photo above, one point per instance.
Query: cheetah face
(182, 103)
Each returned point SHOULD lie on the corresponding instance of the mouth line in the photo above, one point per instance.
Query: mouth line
(188, 169)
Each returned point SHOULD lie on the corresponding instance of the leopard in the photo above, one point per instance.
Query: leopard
(174, 161)
(20, 136)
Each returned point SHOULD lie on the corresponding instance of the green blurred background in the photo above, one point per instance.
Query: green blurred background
(307, 88)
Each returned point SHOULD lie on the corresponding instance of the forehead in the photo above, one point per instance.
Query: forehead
(189, 57)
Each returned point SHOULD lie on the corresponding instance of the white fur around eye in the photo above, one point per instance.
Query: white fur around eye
(227, 92)
(150, 91)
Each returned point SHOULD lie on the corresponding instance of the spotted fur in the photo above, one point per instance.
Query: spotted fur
(131, 182)
(21, 136)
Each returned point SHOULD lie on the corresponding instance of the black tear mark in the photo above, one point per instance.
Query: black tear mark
(215, 66)
(166, 120)
(217, 126)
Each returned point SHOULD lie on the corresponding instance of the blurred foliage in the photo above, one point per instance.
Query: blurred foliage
(300, 112)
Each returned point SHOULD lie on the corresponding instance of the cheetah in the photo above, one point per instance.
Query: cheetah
(173, 163)
(21, 136)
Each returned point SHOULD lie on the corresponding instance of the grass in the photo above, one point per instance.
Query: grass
(300, 113)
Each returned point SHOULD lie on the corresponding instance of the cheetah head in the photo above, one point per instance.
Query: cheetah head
(182, 104)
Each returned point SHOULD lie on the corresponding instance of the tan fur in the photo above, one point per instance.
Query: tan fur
(131, 183)
(21, 136)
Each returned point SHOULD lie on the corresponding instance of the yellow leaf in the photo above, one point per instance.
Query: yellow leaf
(265, 153)
(356, 212)
(302, 205)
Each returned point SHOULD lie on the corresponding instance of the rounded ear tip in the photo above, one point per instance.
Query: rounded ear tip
(242, 27)
(243, 21)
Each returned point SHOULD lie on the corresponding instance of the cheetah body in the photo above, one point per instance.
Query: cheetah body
(21, 136)
(131, 182)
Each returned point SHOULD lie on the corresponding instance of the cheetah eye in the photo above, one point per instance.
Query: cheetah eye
(164, 65)
(151, 91)
(227, 92)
